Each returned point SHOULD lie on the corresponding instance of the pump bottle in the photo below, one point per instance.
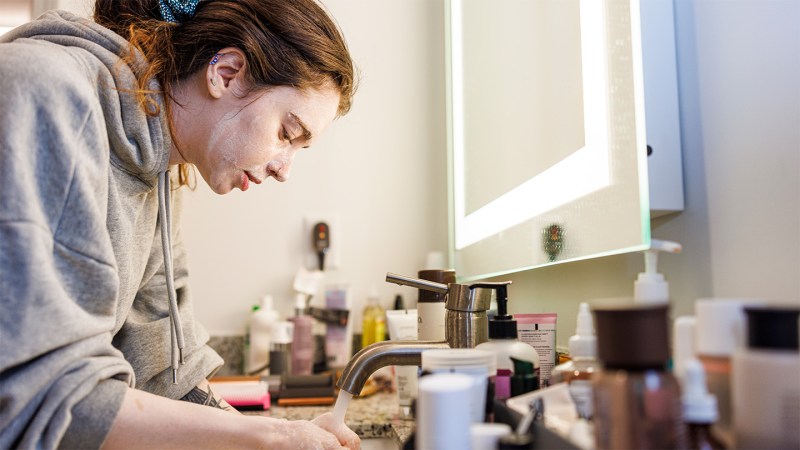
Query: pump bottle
(578, 372)
(650, 287)
(504, 344)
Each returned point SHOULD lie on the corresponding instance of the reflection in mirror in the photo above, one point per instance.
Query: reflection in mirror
(545, 132)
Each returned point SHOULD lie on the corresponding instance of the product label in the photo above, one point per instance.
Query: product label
(542, 337)
(430, 318)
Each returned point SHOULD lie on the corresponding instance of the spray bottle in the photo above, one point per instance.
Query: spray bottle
(650, 287)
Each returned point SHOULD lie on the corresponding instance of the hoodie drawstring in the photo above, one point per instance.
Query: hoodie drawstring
(165, 219)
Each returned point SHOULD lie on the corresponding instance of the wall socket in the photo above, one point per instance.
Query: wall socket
(333, 255)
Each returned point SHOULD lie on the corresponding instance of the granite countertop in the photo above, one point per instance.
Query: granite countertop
(374, 416)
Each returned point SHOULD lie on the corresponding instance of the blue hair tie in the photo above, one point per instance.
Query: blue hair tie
(177, 11)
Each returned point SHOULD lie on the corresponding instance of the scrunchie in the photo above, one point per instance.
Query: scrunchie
(176, 11)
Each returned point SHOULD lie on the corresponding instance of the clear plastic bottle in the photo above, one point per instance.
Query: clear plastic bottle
(374, 322)
(637, 402)
(578, 372)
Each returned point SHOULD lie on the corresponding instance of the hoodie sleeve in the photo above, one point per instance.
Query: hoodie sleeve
(58, 278)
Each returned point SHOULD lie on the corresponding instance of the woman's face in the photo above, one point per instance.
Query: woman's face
(236, 141)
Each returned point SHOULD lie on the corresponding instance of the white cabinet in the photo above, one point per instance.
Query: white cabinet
(662, 115)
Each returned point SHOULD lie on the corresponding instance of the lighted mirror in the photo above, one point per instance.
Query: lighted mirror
(546, 137)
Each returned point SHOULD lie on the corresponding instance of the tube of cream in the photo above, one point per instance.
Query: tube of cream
(539, 331)
(402, 324)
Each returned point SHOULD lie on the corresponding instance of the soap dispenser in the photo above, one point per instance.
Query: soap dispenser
(504, 344)
(650, 287)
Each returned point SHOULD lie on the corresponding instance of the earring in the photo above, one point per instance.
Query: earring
(215, 59)
(213, 83)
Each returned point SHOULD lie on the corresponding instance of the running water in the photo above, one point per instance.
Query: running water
(342, 402)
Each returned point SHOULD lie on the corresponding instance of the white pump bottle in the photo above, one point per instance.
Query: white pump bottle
(650, 287)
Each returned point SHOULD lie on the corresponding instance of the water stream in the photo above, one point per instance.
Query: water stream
(342, 402)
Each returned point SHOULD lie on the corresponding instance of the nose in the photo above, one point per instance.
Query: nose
(281, 168)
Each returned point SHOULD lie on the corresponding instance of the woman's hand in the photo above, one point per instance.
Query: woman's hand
(148, 421)
(345, 435)
(302, 434)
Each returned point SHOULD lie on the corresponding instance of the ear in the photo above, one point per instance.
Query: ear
(225, 71)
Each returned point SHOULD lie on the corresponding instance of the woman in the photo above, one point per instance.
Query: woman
(97, 335)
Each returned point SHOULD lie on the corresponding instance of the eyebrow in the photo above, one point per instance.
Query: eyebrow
(306, 132)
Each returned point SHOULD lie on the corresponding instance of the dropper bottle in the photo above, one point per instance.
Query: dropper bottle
(699, 409)
(579, 370)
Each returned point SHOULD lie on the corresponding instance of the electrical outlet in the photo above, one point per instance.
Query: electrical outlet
(333, 255)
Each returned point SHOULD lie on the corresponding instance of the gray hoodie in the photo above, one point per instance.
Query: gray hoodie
(84, 288)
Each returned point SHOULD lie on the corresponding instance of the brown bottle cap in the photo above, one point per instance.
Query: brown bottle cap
(443, 276)
(632, 337)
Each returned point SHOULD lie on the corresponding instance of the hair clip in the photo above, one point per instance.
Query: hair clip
(215, 59)
(177, 11)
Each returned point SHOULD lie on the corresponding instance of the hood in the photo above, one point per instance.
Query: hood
(139, 143)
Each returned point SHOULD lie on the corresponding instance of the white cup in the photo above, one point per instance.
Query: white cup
(443, 415)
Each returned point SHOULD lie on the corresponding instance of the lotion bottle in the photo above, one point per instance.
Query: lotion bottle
(262, 319)
(303, 338)
(504, 343)
(579, 370)
(766, 389)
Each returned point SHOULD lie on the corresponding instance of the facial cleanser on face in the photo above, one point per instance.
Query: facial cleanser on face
(403, 327)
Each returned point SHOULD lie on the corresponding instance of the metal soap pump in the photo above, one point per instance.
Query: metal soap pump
(466, 325)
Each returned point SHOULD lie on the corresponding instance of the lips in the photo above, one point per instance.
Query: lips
(252, 178)
(244, 183)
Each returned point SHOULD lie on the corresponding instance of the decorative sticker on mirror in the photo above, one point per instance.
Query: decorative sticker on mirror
(553, 241)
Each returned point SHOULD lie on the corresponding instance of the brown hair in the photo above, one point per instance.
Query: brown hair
(285, 42)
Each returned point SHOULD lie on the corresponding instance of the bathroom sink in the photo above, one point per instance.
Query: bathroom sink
(379, 444)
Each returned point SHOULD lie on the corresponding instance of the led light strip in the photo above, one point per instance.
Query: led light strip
(583, 172)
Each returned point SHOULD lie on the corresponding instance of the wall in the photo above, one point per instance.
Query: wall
(738, 68)
(380, 170)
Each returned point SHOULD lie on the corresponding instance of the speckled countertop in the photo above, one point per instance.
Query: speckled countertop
(375, 416)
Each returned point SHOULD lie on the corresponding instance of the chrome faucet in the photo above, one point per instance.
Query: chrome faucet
(466, 325)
